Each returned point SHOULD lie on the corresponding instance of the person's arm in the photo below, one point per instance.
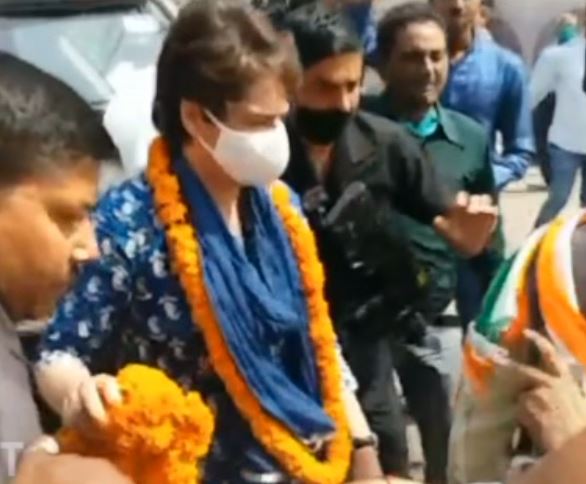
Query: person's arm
(465, 222)
(42, 464)
(365, 463)
(515, 125)
(86, 320)
(565, 465)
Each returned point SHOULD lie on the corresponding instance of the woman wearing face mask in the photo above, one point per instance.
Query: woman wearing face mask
(210, 273)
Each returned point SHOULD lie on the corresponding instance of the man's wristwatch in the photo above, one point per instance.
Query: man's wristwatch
(363, 442)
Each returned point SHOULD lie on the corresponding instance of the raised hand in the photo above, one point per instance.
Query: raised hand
(469, 223)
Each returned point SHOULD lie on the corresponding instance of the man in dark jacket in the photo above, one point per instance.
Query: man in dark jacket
(414, 63)
(343, 157)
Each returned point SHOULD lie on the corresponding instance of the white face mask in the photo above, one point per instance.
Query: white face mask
(251, 158)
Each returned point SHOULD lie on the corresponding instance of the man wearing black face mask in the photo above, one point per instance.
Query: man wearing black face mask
(352, 166)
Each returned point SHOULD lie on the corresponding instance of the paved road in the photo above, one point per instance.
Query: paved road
(520, 209)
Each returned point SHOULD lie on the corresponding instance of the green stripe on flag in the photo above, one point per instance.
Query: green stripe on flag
(493, 319)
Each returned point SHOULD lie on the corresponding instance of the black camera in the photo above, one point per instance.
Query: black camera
(375, 285)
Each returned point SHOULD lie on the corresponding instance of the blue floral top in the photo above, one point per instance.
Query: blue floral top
(129, 307)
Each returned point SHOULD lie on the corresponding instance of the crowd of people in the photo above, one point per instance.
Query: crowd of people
(296, 243)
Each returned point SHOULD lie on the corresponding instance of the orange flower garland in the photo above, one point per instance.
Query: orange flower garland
(186, 256)
(156, 436)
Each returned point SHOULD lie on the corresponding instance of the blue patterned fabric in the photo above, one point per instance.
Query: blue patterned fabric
(129, 307)
(490, 85)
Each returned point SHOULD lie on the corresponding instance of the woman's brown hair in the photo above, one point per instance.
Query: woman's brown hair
(214, 51)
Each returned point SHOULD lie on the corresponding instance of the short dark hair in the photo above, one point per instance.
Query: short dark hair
(321, 32)
(399, 18)
(277, 10)
(44, 124)
(212, 53)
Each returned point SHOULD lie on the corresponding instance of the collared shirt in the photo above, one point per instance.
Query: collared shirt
(129, 307)
(459, 150)
(560, 70)
(489, 84)
(19, 419)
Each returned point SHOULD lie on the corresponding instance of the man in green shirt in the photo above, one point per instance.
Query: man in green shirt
(414, 66)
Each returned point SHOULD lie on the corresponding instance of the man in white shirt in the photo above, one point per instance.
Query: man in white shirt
(560, 70)
(568, 29)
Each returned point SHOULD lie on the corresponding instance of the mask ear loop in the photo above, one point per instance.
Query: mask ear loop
(205, 145)
(221, 126)
(216, 122)
(210, 118)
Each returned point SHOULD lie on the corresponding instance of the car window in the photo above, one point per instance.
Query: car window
(97, 54)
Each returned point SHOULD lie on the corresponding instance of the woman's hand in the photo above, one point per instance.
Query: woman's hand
(87, 404)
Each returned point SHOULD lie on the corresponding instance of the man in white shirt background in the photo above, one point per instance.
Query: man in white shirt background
(568, 27)
(560, 70)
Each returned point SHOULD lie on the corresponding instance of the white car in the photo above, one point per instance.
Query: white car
(105, 49)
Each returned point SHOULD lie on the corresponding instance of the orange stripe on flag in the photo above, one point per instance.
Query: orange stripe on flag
(561, 316)
(479, 370)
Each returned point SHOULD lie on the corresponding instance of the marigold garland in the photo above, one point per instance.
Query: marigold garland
(156, 436)
(185, 252)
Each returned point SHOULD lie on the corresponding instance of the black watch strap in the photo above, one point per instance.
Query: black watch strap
(363, 442)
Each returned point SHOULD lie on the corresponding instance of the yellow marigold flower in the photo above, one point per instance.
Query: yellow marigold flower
(156, 436)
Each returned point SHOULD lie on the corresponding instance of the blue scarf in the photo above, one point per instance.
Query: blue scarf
(260, 303)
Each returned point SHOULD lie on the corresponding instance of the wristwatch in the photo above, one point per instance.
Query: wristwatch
(363, 442)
